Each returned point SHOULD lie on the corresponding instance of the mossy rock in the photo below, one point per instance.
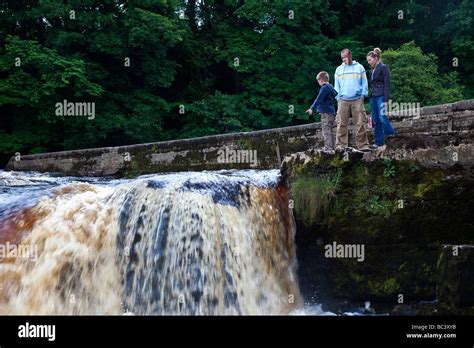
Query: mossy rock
(415, 206)
(400, 210)
(456, 276)
(386, 272)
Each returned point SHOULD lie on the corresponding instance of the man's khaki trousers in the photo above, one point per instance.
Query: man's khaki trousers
(344, 109)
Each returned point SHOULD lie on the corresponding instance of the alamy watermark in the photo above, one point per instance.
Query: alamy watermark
(37, 331)
(25, 251)
(355, 251)
(76, 109)
(396, 109)
(228, 155)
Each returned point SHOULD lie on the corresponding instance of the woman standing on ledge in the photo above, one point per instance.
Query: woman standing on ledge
(379, 97)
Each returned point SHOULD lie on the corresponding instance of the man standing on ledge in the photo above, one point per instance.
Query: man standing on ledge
(350, 82)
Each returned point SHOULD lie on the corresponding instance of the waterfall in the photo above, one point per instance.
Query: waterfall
(197, 243)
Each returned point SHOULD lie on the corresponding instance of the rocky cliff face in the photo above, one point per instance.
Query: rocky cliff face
(409, 208)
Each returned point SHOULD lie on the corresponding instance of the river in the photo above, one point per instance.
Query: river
(193, 243)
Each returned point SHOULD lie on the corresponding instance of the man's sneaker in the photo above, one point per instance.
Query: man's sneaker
(374, 147)
(352, 149)
(364, 148)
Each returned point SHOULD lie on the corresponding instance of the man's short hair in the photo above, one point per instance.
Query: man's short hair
(323, 75)
(346, 50)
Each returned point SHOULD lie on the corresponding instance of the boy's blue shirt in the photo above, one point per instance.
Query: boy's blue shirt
(324, 102)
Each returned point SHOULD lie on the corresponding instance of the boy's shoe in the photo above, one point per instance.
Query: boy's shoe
(364, 148)
(374, 147)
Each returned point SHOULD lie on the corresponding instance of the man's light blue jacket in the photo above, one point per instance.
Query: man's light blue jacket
(350, 81)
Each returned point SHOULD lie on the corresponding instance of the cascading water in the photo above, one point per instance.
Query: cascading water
(184, 243)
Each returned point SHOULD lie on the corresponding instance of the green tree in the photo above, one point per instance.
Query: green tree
(36, 78)
(415, 77)
(233, 65)
(457, 37)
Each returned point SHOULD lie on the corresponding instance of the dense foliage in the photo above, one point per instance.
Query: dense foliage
(168, 69)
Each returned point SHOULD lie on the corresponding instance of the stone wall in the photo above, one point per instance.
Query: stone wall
(437, 126)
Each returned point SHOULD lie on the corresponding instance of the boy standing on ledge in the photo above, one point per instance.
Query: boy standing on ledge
(324, 104)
